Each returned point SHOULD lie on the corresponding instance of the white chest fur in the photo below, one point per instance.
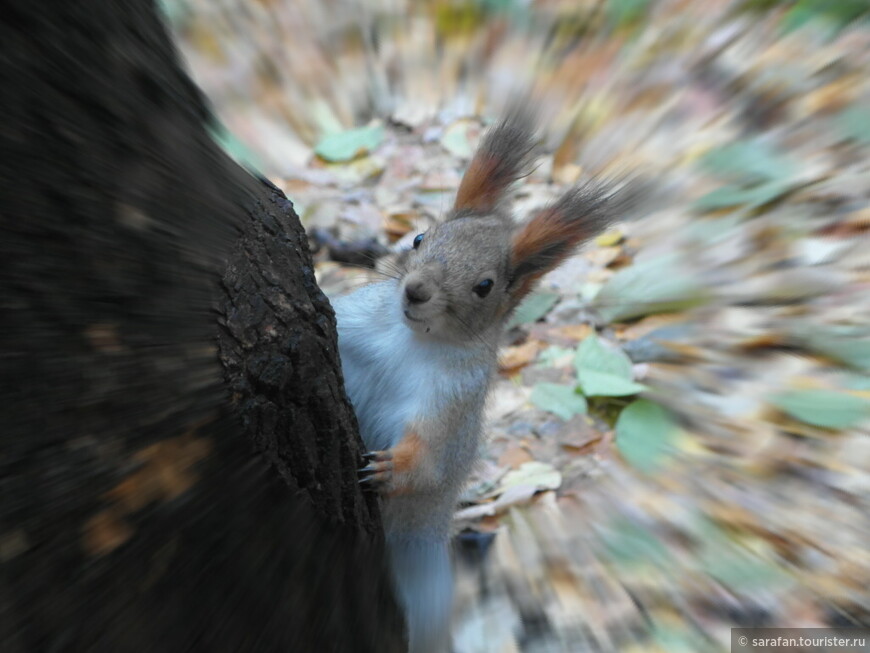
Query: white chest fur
(394, 376)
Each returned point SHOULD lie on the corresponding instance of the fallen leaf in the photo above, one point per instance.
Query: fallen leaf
(604, 372)
(397, 225)
(825, 408)
(105, 532)
(514, 456)
(513, 495)
(561, 400)
(575, 332)
(852, 124)
(541, 476)
(610, 238)
(347, 145)
(456, 139)
(748, 162)
(629, 544)
(533, 308)
(656, 286)
(556, 356)
(733, 195)
(646, 435)
(514, 358)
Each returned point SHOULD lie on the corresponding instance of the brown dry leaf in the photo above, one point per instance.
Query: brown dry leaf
(567, 174)
(686, 350)
(855, 224)
(514, 456)
(573, 332)
(105, 532)
(397, 225)
(167, 472)
(565, 335)
(602, 256)
(831, 97)
(579, 437)
(764, 341)
(104, 337)
(516, 357)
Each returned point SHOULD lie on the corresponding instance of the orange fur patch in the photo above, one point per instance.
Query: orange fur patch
(503, 156)
(544, 233)
(408, 453)
(480, 189)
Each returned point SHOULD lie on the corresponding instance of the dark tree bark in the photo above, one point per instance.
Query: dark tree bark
(177, 454)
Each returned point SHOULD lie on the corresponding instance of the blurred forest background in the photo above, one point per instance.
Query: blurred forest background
(678, 439)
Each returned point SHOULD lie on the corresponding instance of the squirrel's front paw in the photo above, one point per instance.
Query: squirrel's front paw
(396, 470)
(379, 471)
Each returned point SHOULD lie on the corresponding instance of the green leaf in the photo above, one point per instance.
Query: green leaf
(748, 162)
(757, 172)
(629, 544)
(230, 144)
(825, 408)
(836, 15)
(721, 198)
(625, 12)
(853, 352)
(852, 124)
(175, 11)
(736, 567)
(347, 145)
(856, 381)
(592, 355)
(732, 195)
(742, 571)
(604, 372)
(596, 384)
(847, 344)
(645, 435)
(676, 639)
(552, 354)
(657, 286)
(713, 230)
(455, 140)
(533, 308)
(561, 400)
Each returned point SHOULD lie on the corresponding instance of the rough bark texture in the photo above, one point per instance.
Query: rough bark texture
(159, 492)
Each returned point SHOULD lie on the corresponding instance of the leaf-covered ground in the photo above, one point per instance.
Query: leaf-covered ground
(678, 440)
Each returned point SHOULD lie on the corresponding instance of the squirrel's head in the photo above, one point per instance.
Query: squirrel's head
(464, 276)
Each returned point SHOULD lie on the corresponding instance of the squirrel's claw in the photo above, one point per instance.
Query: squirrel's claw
(378, 455)
(379, 472)
(373, 467)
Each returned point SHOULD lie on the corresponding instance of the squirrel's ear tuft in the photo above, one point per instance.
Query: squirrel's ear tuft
(503, 157)
(552, 235)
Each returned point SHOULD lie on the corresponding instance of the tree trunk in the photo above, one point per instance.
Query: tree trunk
(177, 455)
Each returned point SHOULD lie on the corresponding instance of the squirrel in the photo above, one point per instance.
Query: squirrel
(419, 349)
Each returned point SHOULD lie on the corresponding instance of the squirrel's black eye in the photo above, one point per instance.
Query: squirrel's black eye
(418, 240)
(482, 289)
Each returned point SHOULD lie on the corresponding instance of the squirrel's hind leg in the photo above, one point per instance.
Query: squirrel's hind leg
(423, 580)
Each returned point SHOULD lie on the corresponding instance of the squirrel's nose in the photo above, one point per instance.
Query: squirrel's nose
(417, 292)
